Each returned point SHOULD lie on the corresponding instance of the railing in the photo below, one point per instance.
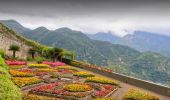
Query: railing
(157, 88)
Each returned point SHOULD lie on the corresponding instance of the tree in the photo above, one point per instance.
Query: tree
(14, 48)
(32, 52)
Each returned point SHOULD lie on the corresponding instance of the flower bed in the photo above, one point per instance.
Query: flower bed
(45, 70)
(83, 64)
(21, 82)
(104, 92)
(77, 87)
(83, 74)
(26, 70)
(75, 94)
(104, 99)
(67, 67)
(41, 73)
(133, 94)
(16, 62)
(65, 71)
(46, 88)
(16, 66)
(16, 73)
(54, 63)
(37, 97)
(38, 66)
(101, 80)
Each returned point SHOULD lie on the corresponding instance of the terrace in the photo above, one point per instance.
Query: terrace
(61, 81)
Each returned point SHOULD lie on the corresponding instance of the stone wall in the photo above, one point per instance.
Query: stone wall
(160, 89)
(7, 40)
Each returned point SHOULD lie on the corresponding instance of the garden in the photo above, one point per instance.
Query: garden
(59, 81)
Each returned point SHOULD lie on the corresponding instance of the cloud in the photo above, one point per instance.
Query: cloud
(90, 17)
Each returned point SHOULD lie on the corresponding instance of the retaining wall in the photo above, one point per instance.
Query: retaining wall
(160, 89)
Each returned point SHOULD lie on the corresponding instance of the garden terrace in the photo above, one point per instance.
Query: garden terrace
(69, 82)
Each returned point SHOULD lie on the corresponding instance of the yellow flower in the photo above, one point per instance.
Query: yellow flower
(78, 87)
(38, 66)
(83, 74)
(26, 81)
(102, 80)
(16, 73)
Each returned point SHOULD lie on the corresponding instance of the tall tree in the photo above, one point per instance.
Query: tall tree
(14, 48)
(32, 52)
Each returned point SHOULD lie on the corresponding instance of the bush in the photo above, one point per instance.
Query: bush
(39, 59)
(102, 80)
(8, 91)
(2, 53)
(134, 94)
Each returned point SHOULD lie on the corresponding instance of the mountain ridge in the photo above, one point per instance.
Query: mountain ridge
(122, 59)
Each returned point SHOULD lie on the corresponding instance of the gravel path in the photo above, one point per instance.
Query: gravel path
(125, 87)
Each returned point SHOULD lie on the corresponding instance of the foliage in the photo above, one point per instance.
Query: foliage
(102, 80)
(38, 66)
(78, 87)
(39, 59)
(2, 53)
(32, 52)
(37, 97)
(16, 73)
(45, 70)
(21, 82)
(67, 67)
(83, 74)
(8, 91)
(133, 94)
(14, 48)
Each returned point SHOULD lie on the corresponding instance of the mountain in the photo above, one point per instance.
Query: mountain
(122, 59)
(104, 37)
(14, 25)
(146, 41)
(139, 40)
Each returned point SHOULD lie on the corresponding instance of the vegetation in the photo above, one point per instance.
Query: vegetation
(14, 48)
(83, 74)
(2, 53)
(32, 52)
(38, 66)
(101, 80)
(133, 94)
(78, 87)
(8, 91)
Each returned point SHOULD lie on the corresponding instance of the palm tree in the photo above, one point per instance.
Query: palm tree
(14, 48)
(32, 52)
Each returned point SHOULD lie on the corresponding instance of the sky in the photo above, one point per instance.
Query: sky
(121, 17)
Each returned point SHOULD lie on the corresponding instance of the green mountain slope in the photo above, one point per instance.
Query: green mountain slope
(122, 59)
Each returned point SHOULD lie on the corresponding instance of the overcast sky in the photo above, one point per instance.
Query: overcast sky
(91, 16)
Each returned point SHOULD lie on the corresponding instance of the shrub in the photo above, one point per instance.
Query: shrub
(39, 59)
(83, 74)
(134, 94)
(101, 80)
(21, 82)
(8, 91)
(2, 53)
(78, 87)
(16, 73)
(38, 66)
(67, 67)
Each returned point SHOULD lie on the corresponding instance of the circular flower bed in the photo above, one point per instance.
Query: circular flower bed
(77, 87)
(83, 74)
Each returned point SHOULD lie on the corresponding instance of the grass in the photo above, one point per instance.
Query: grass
(8, 91)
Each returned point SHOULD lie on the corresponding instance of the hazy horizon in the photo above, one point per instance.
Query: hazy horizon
(119, 17)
